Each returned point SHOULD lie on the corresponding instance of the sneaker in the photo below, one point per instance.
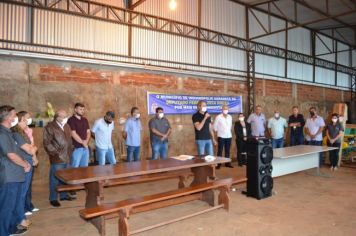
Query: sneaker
(229, 165)
(335, 168)
(19, 232)
(55, 203)
(67, 198)
(35, 209)
(28, 213)
(332, 168)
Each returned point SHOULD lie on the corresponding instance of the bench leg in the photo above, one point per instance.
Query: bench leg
(181, 182)
(224, 197)
(124, 223)
(201, 175)
(95, 195)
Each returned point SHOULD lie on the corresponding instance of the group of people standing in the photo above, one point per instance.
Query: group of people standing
(66, 141)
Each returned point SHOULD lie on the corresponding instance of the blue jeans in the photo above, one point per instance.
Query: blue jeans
(24, 191)
(205, 147)
(10, 194)
(296, 139)
(277, 143)
(80, 157)
(317, 143)
(159, 148)
(105, 154)
(133, 153)
(54, 181)
(28, 201)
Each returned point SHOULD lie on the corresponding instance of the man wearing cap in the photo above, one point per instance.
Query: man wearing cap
(102, 133)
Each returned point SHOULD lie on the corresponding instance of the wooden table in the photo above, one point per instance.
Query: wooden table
(93, 177)
(297, 158)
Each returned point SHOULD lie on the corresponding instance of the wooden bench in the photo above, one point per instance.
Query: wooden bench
(123, 209)
(182, 175)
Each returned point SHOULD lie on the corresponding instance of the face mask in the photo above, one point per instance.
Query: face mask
(160, 115)
(225, 112)
(334, 120)
(204, 109)
(137, 115)
(15, 122)
(108, 122)
(64, 121)
(312, 113)
(29, 121)
(241, 118)
(276, 115)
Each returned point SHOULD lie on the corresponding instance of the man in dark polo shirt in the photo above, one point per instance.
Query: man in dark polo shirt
(12, 175)
(204, 134)
(80, 136)
(160, 129)
(296, 124)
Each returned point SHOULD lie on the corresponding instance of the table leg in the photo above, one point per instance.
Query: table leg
(95, 196)
(201, 175)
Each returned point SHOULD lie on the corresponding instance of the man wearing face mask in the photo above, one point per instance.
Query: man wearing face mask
(314, 130)
(296, 123)
(160, 129)
(80, 137)
(222, 126)
(57, 142)
(102, 133)
(132, 135)
(258, 122)
(12, 175)
(242, 131)
(204, 134)
(277, 126)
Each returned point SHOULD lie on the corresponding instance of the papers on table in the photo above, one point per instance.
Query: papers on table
(209, 158)
(183, 157)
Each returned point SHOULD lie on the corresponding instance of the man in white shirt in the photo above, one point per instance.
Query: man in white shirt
(277, 126)
(102, 132)
(314, 130)
(222, 126)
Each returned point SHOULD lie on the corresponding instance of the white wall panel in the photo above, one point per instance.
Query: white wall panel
(323, 44)
(277, 40)
(220, 56)
(162, 46)
(300, 71)
(186, 11)
(343, 58)
(269, 65)
(324, 76)
(13, 23)
(343, 80)
(299, 40)
(69, 31)
(224, 16)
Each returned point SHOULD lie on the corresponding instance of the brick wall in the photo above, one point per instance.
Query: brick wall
(29, 84)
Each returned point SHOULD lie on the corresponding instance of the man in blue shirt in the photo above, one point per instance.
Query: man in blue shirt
(258, 122)
(132, 134)
(102, 133)
(277, 126)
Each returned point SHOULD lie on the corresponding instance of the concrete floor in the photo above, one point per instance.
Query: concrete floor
(302, 204)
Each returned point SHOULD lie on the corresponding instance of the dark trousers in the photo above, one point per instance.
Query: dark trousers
(224, 144)
(28, 201)
(317, 143)
(241, 152)
(296, 139)
(334, 154)
(10, 195)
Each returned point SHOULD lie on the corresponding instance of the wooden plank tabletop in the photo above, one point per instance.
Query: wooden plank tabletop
(126, 169)
(294, 151)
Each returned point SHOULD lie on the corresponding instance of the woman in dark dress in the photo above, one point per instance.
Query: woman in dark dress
(334, 132)
(242, 131)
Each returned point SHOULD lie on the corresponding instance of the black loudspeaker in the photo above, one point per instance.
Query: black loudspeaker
(259, 168)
